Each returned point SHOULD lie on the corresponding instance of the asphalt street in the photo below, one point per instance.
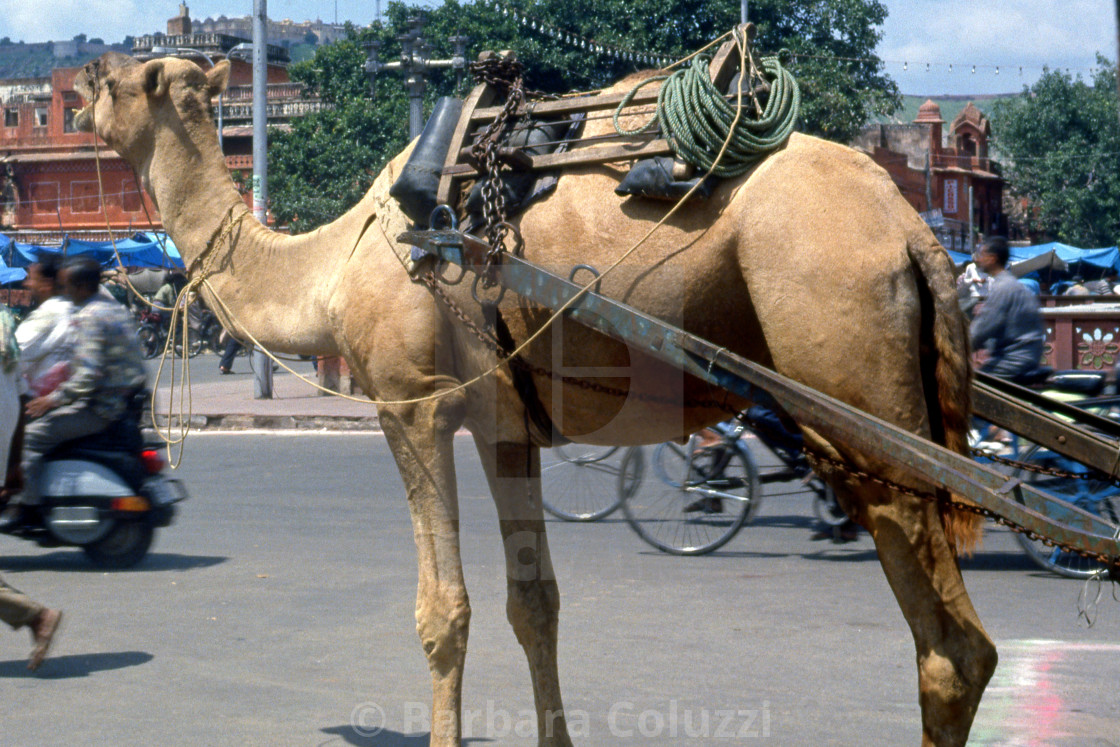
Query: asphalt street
(278, 610)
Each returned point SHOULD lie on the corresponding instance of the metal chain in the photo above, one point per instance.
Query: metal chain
(1105, 560)
(1052, 471)
(488, 340)
(504, 74)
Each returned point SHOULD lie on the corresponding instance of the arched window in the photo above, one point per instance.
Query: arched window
(966, 144)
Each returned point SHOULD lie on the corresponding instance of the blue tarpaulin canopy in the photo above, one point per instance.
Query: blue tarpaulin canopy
(1088, 263)
(141, 250)
(11, 274)
(959, 258)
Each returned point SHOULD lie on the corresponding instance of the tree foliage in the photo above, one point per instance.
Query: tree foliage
(1059, 140)
(329, 159)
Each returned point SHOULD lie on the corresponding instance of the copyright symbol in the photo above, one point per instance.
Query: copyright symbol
(367, 719)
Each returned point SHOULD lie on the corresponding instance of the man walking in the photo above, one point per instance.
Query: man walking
(17, 609)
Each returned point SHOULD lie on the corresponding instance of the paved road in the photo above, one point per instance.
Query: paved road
(279, 611)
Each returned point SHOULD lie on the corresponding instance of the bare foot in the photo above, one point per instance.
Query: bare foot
(42, 631)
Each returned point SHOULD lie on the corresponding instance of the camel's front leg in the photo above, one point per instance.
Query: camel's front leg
(533, 599)
(421, 438)
(956, 657)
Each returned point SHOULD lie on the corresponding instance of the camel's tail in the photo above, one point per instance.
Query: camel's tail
(946, 370)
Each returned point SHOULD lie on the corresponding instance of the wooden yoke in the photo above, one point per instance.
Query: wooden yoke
(479, 109)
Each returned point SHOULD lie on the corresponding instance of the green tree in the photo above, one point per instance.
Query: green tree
(328, 160)
(1059, 141)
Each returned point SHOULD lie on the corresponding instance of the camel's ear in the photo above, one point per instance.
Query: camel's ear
(217, 78)
(156, 81)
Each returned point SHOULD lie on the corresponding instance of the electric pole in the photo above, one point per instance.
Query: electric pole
(415, 65)
(262, 364)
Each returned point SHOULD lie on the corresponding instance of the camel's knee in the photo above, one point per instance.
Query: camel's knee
(443, 415)
(951, 688)
(532, 607)
(964, 677)
(448, 412)
(443, 629)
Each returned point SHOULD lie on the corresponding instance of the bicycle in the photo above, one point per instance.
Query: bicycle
(693, 499)
(153, 331)
(1065, 478)
(1094, 493)
(690, 499)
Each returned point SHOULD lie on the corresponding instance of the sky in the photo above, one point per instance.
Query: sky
(1019, 37)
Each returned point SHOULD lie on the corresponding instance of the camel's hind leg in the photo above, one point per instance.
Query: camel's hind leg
(421, 439)
(956, 657)
(533, 599)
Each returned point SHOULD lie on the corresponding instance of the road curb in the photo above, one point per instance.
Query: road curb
(276, 422)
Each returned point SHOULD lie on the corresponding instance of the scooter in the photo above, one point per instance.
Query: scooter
(105, 493)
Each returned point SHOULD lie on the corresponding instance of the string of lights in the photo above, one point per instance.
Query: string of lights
(581, 42)
(948, 67)
(907, 66)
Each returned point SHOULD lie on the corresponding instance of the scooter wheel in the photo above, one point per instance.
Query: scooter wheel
(123, 547)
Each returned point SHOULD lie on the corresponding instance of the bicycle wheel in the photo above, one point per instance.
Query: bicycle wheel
(150, 344)
(194, 343)
(689, 501)
(1100, 497)
(580, 482)
(212, 339)
(825, 507)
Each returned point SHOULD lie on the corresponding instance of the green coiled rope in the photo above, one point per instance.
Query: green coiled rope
(695, 118)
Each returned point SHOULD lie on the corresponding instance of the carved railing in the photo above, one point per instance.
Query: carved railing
(1083, 334)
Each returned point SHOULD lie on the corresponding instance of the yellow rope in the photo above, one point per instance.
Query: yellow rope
(109, 227)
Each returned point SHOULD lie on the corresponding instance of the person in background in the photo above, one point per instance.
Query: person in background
(1009, 327)
(1008, 324)
(1077, 288)
(1104, 286)
(168, 293)
(11, 425)
(45, 338)
(233, 346)
(116, 285)
(974, 282)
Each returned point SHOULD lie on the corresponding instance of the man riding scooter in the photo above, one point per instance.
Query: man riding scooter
(105, 372)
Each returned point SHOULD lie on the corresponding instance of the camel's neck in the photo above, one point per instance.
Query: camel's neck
(274, 286)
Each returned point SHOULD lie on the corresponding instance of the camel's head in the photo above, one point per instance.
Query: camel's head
(129, 99)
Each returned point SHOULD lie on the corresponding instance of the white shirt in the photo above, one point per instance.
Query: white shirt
(45, 339)
(976, 280)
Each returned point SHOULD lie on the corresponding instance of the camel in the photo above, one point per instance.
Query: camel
(812, 264)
